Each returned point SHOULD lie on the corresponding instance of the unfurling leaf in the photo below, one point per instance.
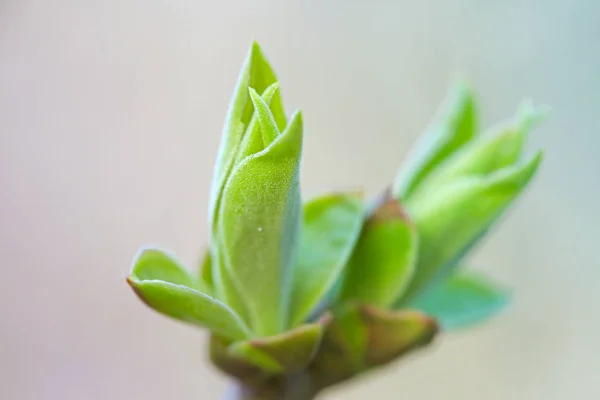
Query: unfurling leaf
(331, 226)
(259, 227)
(462, 300)
(164, 285)
(225, 287)
(453, 218)
(266, 121)
(484, 155)
(383, 261)
(256, 73)
(453, 128)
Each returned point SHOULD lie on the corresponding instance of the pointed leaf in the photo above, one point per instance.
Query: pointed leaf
(455, 127)
(152, 263)
(462, 300)
(257, 73)
(253, 141)
(265, 118)
(225, 286)
(177, 300)
(384, 258)
(331, 226)
(289, 352)
(484, 155)
(454, 218)
(259, 227)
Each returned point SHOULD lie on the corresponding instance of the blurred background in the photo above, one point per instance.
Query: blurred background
(110, 118)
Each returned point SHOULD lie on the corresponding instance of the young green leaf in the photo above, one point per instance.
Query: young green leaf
(289, 352)
(164, 285)
(253, 141)
(257, 73)
(331, 225)
(227, 288)
(384, 258)
(452, 219)
(484, 155)
(456, 126)
(462, 300)
(266, 121)
(259, 227)
(152, 263)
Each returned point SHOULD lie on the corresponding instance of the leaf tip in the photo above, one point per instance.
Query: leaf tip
(387, 207)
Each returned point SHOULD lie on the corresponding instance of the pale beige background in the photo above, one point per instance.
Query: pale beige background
(110, 116)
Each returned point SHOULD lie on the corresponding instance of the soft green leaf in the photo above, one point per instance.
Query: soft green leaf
(384, 258)
(152, 263)
(226, 287)
(452, 219)
(462, 300)
(259, 227)
(266, 121)
(331, 226)
(288, 352)
(164, 285)
(257, 73)
(254, 140)
(489, 153)
(455, 126)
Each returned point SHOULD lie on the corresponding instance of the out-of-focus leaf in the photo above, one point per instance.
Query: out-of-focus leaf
(384, 258)
(259, 227)
(452, 220)
(230, 364)
(343, 347)
(391, 334)
(462, 300)
(454, 127)
(331, 226)
(289, 352)
(361, 337)
(164, 285)
(484, 155)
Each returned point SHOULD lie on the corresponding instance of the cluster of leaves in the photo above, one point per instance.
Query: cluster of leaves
(338, 284)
